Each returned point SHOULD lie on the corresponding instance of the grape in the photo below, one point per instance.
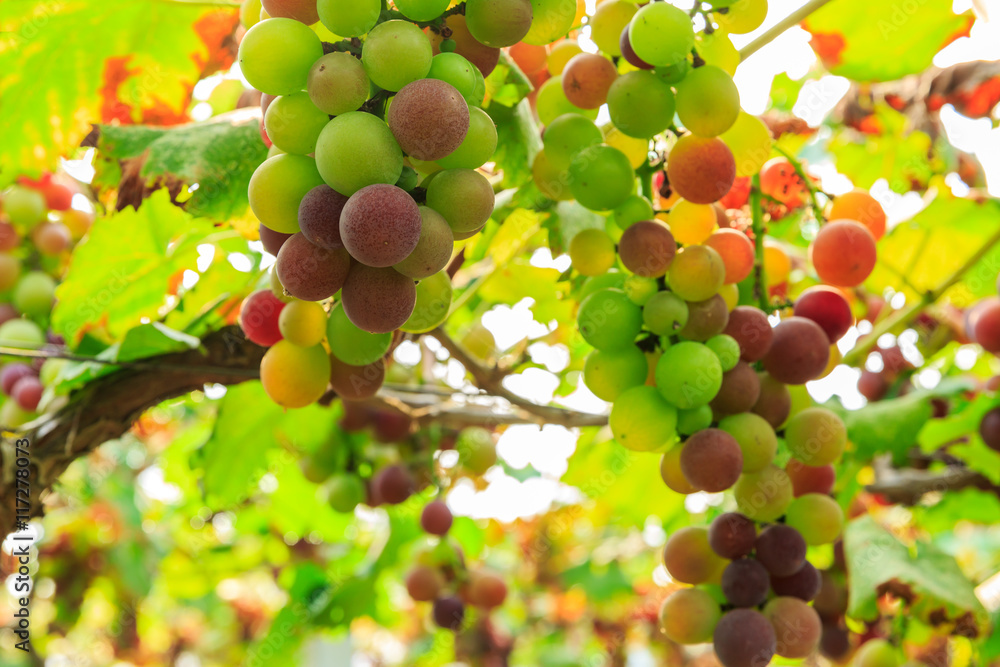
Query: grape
(642, 421)
(697, 273)
(708, 102)
(429, 119)
(810, 479)
(736, 251)
(775, 402)
(275, 55)
(250, 12)
(750, 328)
(983, 324)
(726, 349)
(640, 104)
(551, 102)
(860, 206)
(436, 518)
(560, 54)
(530, 58)
(551, 19)
(294, 376)
(592, 252)
(449, 613)
(989, 429)
(750, 141)
(13, 373)
(567, 135)
(816, 436)
(424, 583)
(692, 224)
(827, 307)
(673, 476)
(732, 535)
(28, 392)
(739, 392)
(587, 78)
(278, 186)
(601, 177)
(319, 217)
(479, 145)
(796, 626)
(744, 16)
(647, 248)
(338, 84)
(799, 351)
(348, 18)
(352, 345)
(688, 558)
(730, 293)
(661, 34)
(634, 209)
(705, 319)
(303, 323)
(433, 303)
(744, 638)
(780, 180)
(309, 272)
(717, 49)
(693, 420)
(640, 289)
(434, 247)
(463, 196)
(817, 517)
(272, 240)
(629, 54)
(378, 300)
(689, 616)
(356, 383)
(551, 181)
(9, 238)
(293, 123)
(835, 643)
(52, 238)
(745, 583)
(380, 225)
(831, 600)
(764, 495)
(391, 426)
(395, 484)
(756, 439)
(22, 334)
(843, 253)
(700, 169)
(300, 10)
(607, 23)
(803, 585)
(781, 550)
(484, 57)
(477, 451)
(421, 10)
(34, 294)
(487, 590)
(613, 279)
(608, 320)
(457, 71)
(688, 375)
(355, 150)
(876, 653)
(10, 271)
(711, 460)
(395, 54)
(498, 23)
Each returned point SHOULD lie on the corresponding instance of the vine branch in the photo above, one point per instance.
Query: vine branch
(760, 279)
(780, 27)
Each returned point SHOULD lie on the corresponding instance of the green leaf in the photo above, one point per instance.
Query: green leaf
(883, 42)
(889, 426)
(147, 340)
(930, 579)
(599, 583)
(518, 280)
(785, 91)
(519, 141)
(506, 84)
(516, 230)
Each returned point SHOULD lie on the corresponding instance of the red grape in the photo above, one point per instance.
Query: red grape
(799, 352)
(843, 253)
(827, 307)
(259, 317)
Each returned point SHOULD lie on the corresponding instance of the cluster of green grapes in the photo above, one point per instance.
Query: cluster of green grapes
(38, 228)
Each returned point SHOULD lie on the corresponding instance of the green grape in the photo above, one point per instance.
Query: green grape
(717, 49)
(478, 146)
(708, 102)
(816, 436)
(601, 177)
(349, 18)
(355, 150)
(665, 314)
(642, 421)
(408, 179)
(756, 439)
(275, 55)
(688, 375)
(567, 135)
(818, 517)
(592, 252)
(743, 16)
(498, 23)
(726, 348)
(21, 333)
(551, 102)
(434, 247)
(479, 92)
(463, 196)
(278, 186)
(641, 105)
(876, 653)
(612, 279)
(689, 616)
(294, 376)
(346, 492)
(421, 10)
(352, 345)
(396, 53)
(661, 34)
(303, 323)
(459, 72)
(689, 559)
(641, 289)
(433, 302)
(608, 373)
(607, 23)
(764, 496)
(551, 19)
(337, 84)
(294, 123)
(608, 320)
(634, 209)
(697, 273)
(694, 420)
(750, 141)
(675, 73)
(477, 452)
(35, 293)
(250, 13)
(13, 415)
(550, 180)
(25, 207)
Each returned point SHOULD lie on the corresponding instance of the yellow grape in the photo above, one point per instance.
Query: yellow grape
(560, 54)
(717, 49)
(607, 23)
(592, 252)
(303, 323)
(731, 295)
(777, 265)
(636, 150)
(750, 141)
(743, 16)
(691, 224)
(295, 376)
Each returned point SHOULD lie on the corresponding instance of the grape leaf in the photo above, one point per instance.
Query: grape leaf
(519, 141)
(599, 583)
(889, 426)
(147, 340)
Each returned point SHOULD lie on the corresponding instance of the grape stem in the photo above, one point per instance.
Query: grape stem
(813, 190)
(781, 26)
(757, 215)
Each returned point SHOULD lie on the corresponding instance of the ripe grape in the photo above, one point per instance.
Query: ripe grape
(309, 272)
(835, 643)
(352, 345)
(434, 246)
(827, 307)
(259, 317)
(642, 421)
(380, 225)
(479, 145)
(756, 439)
(629, 54)
(10, 239)
(395, 484)
(876, 653)
(587, 78)
(775, 402)
(764, 495)
(697, 273)
(608, 373)
(487, 590)
(608, 320)
(744, 638)
(665, 314)
(11, 374)
(303, 323)
(688, 558)
(436, 518)
(391, 426)
(640, 103)
(692, 224)
(484, 57)
(732, 535)
(780, 180)
(708, 102)
(661, 34)
(449, 613)
(810, 479)
(27, 392)
(551, 102)
(421, 10)
(745, 583)
(843, 253)
(560, 54)
(551, 19)
(52, 238)
(744, 16)
(294, 376)
(275, 55)
(689, 616)
(498, 23)
(357, 149)
(463, 196)
(984, 329)
(567, 135)
(706, 319)
(736, 251)
(272, 240)
(338, 84)
(701, 169)
(346, 492)
(529, 57)
(424, 583)
(781, 550)
(711, 460)
(378, 300)
(796, 626)
(634, 209)
(989, 429)
(433, 303)
(601, 177)
(279, 184)
(816, 436)
(817, 517)
(671, 473)
(860, 206)
(429, 119)
(477, 452)
(803, 585)
(319, 218)
(356, 383)
(799, 351)
(647, 248)
(688, 375)
(607, 23)
(750, 141)
(831, 601)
